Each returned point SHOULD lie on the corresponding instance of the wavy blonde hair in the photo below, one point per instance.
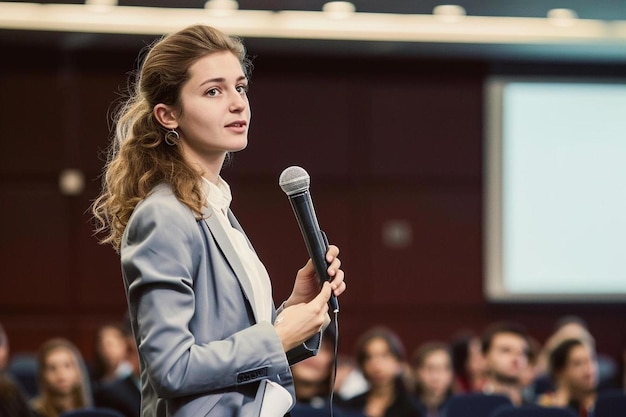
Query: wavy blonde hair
(138, 157)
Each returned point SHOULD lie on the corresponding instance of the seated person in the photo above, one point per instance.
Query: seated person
(380, 355)
(432, 371)
(506, 347)
(123, 394)
(312, 377)
(574, 371)
(63, 380)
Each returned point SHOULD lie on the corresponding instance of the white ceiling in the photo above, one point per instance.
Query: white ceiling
(491, 30)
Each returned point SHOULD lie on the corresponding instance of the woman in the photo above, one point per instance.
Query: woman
(4, 349)
(574, 371)
(468, 362)
(63, 381)
(380, 355)
(209, 338)
(111, 351)
(432, 371)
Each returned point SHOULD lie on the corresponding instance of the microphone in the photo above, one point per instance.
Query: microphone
(295, 183)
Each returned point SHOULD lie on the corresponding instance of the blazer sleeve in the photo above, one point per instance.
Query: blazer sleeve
(159, 254)
(307, 349)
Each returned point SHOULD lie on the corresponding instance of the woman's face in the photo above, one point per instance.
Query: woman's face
(61, 373)
(380, 365)
(215, 111)
(435, 374)
(112, 347)
(475, 361)
(581, 370)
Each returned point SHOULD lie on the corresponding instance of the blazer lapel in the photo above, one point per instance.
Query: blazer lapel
(220, 236)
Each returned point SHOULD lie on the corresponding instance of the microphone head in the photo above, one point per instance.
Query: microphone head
(294, 180)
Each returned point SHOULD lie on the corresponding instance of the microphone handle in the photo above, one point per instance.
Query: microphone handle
(315, 240)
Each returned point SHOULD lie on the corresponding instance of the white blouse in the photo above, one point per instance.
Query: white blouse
(219, 198)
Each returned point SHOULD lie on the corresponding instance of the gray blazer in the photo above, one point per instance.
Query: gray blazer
(201, 350)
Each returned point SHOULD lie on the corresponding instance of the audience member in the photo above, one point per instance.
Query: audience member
(529, 376)
(505, 347)
(574, 371)
(432, 370)
(63, 381)
(21, 368)
(573, 327)
(312, 377)
(123, 394)
(468, 363)
(4, 349)
(349, 381)
(381, 356)
(111, 354)
(13, 403)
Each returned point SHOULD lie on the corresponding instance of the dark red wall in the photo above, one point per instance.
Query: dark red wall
(384, 140)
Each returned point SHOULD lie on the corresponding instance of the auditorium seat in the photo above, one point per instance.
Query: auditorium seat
(610, 404)
(533, 411)
(474, 405)
(23, 369)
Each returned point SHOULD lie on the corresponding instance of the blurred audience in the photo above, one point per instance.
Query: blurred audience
(382, 360)
(574, 371)
(349, 381)
(312, 377)
(573, 327)
(4, 349)
(111, 354)
(13, 403)
(123, 394)
(468, 362)
(21, 368)
(376, 381)
(63, 380)
(529, 376)
(431, 365)
(505, 347)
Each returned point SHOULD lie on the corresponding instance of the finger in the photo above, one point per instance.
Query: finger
(322, 298)
(337, 277)
(340, 289)
(338, 280)
(333, 267)
(331, 253)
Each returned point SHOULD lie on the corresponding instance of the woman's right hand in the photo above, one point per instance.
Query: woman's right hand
(297, 323)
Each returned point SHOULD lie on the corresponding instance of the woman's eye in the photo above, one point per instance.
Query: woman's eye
(242, 89)
(212, 92)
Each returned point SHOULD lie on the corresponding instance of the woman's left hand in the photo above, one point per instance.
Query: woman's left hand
(307, 285)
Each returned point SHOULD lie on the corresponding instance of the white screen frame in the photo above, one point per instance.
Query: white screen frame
(495, 289)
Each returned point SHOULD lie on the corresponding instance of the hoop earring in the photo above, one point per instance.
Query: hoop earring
(172, 137)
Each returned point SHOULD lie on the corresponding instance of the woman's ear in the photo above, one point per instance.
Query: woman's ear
(165, 115)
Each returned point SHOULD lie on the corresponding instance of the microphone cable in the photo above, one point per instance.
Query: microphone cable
(334, 371)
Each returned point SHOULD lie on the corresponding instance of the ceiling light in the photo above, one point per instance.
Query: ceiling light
(339, 9)
(449, 12)
(101, 5)
(221, 7)
(562, 17)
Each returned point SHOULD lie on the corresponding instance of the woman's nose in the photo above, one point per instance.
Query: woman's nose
(238, 103)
